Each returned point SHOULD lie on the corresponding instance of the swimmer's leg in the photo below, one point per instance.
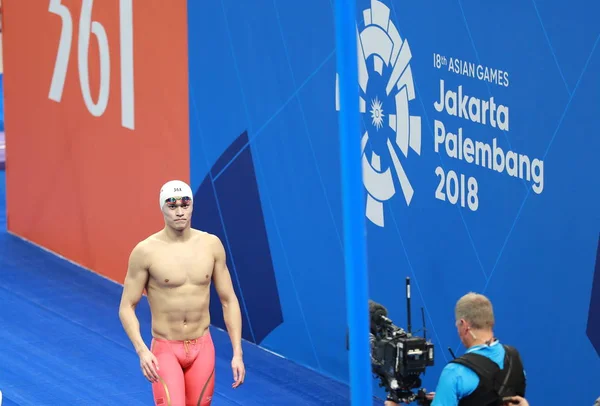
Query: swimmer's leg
(170, 389)
(200, 376)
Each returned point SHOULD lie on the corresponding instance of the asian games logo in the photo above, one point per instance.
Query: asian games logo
(386, 88)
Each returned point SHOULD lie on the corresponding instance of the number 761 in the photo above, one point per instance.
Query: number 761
(87, 27)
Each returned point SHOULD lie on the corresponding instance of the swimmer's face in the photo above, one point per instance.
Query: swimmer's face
(178, 212)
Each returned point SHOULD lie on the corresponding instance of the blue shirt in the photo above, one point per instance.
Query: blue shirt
(458, 381)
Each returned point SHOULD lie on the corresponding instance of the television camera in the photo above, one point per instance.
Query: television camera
(398, 357)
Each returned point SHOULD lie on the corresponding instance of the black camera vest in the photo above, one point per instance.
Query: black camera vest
(494, 383)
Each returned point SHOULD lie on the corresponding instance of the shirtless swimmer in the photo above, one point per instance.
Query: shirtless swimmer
(176, 266)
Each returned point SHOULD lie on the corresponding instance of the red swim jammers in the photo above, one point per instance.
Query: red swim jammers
(186, 371)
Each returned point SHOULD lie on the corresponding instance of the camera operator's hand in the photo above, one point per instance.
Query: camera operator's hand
(429, 396)
(515, 401)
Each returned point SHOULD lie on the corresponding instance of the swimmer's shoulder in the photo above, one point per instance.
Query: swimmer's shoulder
(205, 236)
(208, 241)
(139, 257)
(148, 245)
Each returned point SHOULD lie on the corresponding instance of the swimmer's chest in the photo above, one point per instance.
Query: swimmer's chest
(179, 265)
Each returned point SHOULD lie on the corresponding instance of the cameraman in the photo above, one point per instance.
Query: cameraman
(463, 381)
(511, 401)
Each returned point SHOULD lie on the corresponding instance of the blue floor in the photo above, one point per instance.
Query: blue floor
(61, 342)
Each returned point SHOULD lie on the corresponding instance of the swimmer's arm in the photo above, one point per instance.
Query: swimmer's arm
(229, 300)
(133, 288)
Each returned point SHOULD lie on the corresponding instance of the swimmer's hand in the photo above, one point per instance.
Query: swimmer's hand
(149, 365)
(239, 371)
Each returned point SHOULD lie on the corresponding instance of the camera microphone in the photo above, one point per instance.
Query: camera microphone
(376, 309)
(377, 313)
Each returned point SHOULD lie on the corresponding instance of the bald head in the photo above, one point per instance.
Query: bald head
(477, 310)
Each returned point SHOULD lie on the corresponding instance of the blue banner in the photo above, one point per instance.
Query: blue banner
(478, 132)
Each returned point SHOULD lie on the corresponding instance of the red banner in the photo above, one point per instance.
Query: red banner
(96, 97)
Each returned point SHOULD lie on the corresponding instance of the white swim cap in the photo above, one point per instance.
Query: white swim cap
(175, 188)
